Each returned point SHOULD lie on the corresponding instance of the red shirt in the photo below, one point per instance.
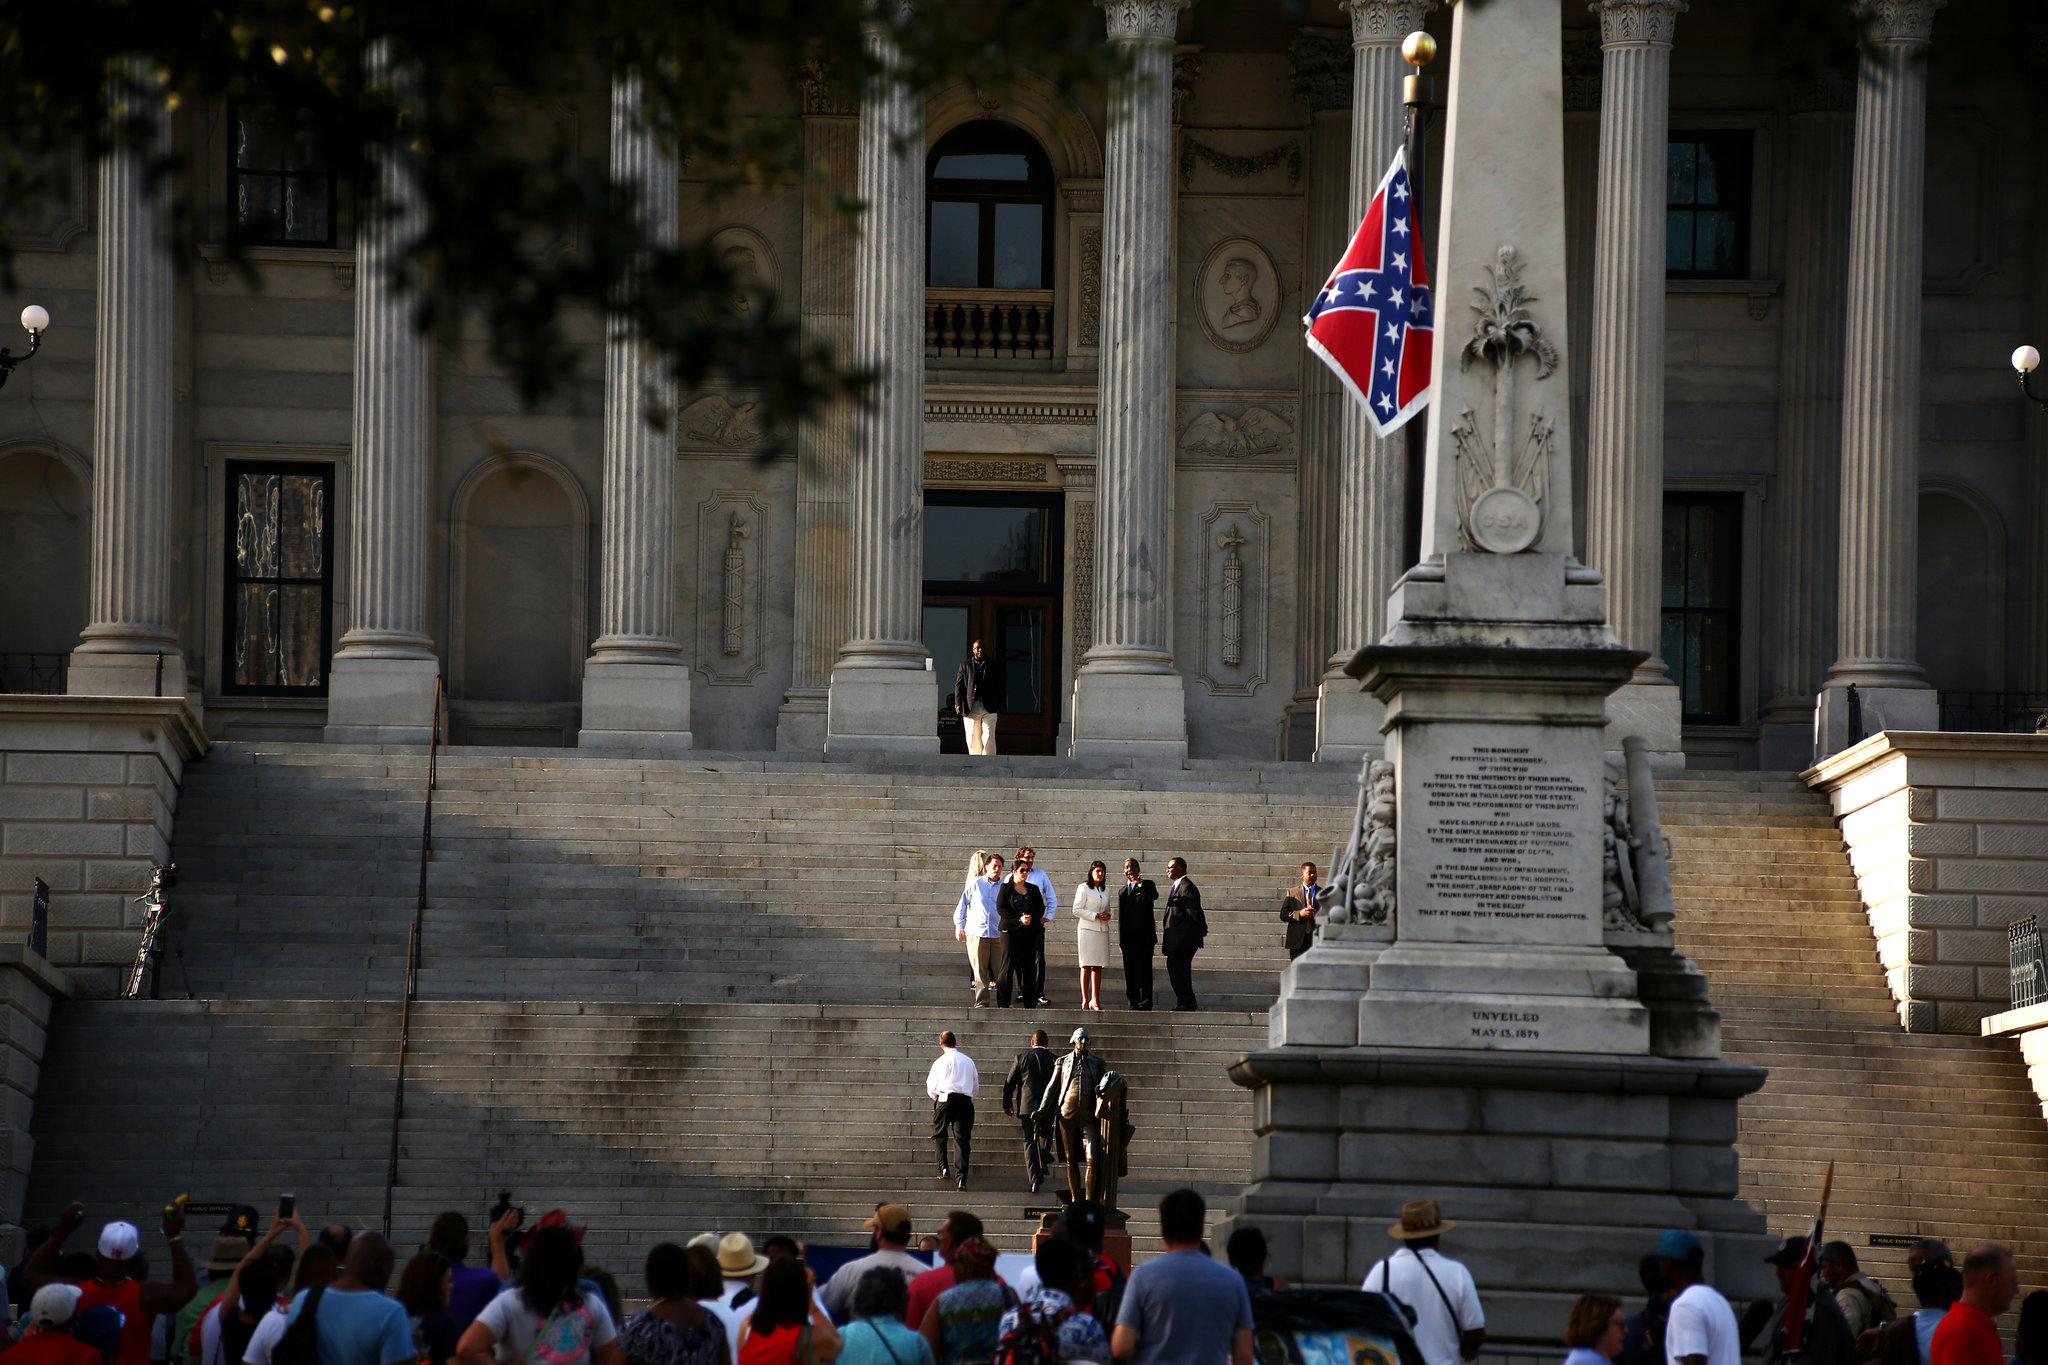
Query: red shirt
(924, 1291)
(126, 1296)
(50, 1348)
(1966, 1336)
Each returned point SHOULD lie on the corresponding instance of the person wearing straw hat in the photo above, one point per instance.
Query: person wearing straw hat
(740, 1266)
(1449, 1324)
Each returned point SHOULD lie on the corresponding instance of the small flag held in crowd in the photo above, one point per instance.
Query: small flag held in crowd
(1372, 322)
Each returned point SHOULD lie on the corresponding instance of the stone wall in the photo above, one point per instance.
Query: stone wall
(28, 987)
(86, 802)
(1948, 834)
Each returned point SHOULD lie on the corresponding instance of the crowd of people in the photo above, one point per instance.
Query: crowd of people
(293, 1298)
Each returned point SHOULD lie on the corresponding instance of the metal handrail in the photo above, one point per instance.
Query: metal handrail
(412, 956)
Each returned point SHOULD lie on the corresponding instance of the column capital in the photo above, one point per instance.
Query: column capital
(1384, 23)
(1142, 20)
(1582, 70)
(1322, 69)
(1636, 22)
(1898, 23)
(819, 93)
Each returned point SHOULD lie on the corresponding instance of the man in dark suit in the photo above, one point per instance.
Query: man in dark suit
(1184, 930)
(1136, 934)
(1021, 1094)
(978, 696)
(1299, 910)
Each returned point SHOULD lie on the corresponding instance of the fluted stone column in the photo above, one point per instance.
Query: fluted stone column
(1625, 392)
(381, 688)
(1128, 698)
(130, 647)
(1372, 487)
(1802, 587)
(2031, 673)
(1322, 80)
(883, 694)
(824, 447)
(636, 687)
(1881, 390)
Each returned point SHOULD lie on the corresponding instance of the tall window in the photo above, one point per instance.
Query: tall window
(1702, 603)
(281, 185)
(280, 578)
(990, 190)
(1706, 206)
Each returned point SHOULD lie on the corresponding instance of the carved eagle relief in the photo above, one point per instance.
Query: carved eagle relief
(1256, 431)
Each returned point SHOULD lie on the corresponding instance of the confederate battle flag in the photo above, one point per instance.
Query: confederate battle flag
(1372, 323)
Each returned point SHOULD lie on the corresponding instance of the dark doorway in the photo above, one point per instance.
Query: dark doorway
(992, 565)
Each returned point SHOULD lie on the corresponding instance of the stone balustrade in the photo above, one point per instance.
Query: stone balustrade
(1003, 324)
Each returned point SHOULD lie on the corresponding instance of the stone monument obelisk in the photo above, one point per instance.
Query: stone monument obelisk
(1495, 1016)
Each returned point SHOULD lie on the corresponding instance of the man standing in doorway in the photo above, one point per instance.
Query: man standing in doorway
(951, 1083)
(978, 697)
(1183, 931)
(1137, 933)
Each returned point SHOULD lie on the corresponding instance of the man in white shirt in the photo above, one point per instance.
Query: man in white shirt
(1701, 1328)
(1449, 1324)
(976, 924)
(1035, 981)
(951, 1083)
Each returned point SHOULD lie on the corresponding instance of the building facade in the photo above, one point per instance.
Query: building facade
(1098, 444)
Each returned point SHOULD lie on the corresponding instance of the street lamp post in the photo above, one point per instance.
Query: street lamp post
(2025, 361)
(36, 319)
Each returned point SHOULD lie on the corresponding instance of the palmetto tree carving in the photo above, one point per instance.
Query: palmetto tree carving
(1503, 334)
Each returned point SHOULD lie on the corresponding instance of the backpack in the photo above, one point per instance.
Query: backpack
(1034, 1340)
(300, 1344)
(564, 1339)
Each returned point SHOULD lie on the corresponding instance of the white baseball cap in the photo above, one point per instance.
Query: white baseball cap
(119, 1241)
(54, 1304)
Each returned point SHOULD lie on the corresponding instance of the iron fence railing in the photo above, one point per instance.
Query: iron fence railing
(2023, 953)
(2005, 713)
(42, 674)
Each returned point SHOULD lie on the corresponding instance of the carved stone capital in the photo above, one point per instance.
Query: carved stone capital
(1376, 23)
(1322, 69)
(1153, 20)
(817, 92)
(1187, 69)
(1637, 21)
(1581, 70)
(1895, 22)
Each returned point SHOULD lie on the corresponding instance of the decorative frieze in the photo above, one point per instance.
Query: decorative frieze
(1024, 414)
(715, 422)
(1238, 432)
(984, 471)
(1286, 154)
(1089, 303)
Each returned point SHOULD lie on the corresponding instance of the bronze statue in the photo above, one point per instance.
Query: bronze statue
(1086, 1107)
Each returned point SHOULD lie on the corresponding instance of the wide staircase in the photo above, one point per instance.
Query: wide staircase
(681, 995)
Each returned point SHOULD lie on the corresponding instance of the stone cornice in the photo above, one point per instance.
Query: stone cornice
(1634, 22)
(1384, 23)
(1142, 20)
(1898, 22)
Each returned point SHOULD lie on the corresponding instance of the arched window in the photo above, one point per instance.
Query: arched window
(990, 191)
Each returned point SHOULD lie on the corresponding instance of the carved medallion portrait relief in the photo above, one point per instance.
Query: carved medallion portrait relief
(1237, 295)
(746, 254)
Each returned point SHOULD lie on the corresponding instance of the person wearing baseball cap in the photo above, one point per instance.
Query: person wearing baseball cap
(891, 1224)
(1827, 1338)
(1699, 1327)
(48, 1340)
(112, 1283)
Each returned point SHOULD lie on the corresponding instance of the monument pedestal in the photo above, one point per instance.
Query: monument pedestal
(1560, 1169)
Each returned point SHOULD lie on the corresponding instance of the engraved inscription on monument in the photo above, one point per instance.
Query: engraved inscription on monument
(1504, 825)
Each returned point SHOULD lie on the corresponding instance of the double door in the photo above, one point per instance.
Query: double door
(992, 573)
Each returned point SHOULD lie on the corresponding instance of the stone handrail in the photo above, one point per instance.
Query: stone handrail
(1009, 324)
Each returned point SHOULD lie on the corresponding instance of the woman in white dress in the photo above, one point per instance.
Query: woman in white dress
(1091, 932)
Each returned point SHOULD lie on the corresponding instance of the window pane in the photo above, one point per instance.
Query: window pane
(1681, 168)
(300, 639)
(1714, 694)
(1714, 241)
(1678, 239)
(1699, 556)
(259, 202)
(1706, 185)
(255, 638)
(301, 525)
(984, 544)
(983, 166)
(305, 217)
(1021, 631)
(256, 140)
(256, 510)
(1020, 246)
(956, 245)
